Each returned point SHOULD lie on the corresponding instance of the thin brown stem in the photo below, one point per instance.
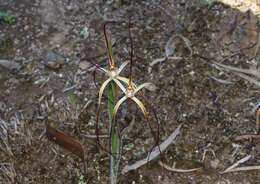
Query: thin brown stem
(257, 120)
(156, 135)
(94, 78)
(131, 52)
(111, 64)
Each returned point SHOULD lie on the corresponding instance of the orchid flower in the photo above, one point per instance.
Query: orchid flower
(113, 72)
(130, 93)
(131, 89)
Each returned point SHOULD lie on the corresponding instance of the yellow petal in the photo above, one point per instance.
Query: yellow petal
(119, 85)
(103, 70)
(102, 88)
(144, 85)
(122, 66)
(125, 80)
(141, 105)
(118, 105)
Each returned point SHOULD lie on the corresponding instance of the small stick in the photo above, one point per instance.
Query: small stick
(257, 120)
(249, 79)
(246, 168)
(239, 70)
(95, 136)
(247, 137)
(246, 158)
(257, 43)
(177, 170)
(221, 80)
(155, 153)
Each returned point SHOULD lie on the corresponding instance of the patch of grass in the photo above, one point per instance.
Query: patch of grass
(72, 98)
(7, 18)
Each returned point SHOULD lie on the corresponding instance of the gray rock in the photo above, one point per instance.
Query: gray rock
(53, 60)
(10, 65)
(84, 65)
(214, 163)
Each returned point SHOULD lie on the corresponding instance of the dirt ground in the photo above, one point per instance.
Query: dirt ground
(48, 78)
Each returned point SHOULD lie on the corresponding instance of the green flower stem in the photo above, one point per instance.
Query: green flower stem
(114, 138)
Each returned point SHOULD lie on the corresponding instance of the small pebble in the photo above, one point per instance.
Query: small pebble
(53, 60)
(84, 65)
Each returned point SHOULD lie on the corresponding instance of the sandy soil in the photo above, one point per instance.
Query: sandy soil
(49, 48)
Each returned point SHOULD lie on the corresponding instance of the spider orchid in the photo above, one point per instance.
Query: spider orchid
(130, 93)
(113, 75)
(113, 72)
(132, 89)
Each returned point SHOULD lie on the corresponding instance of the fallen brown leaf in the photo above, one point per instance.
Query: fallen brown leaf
(65, 141)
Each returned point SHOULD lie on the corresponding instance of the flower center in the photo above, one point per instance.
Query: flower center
(130, 92)
(113, 73)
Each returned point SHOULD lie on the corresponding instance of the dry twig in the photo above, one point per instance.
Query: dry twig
(155, 153)
(257, 123)
(177, 170)
(95, 136)
(254, 72)
(246, 168)
(249, 79)
(170, 48)
(247, 137)
(232, 167)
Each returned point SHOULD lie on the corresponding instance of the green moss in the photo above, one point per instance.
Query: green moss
(7, 18)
